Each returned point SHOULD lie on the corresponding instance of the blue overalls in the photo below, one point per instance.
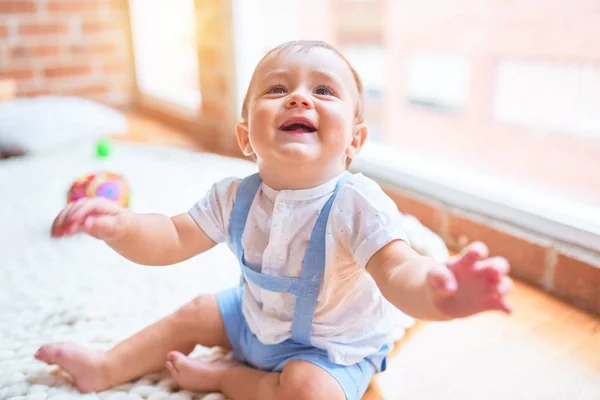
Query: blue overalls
(246, 346)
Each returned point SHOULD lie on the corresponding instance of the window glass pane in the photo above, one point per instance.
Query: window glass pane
(437, 80)
(165, 51)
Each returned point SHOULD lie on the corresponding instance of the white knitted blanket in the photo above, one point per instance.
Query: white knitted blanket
(77, 289)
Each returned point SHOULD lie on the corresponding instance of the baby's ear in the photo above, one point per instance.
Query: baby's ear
(359, 136)
(241, 132)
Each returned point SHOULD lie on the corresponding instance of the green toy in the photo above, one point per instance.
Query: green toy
(103, 148)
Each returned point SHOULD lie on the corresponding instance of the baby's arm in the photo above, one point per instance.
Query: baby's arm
(155, 239)
(425, 289)
(149, 239)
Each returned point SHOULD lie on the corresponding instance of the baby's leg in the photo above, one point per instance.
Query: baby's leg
(299, 380)
(198, 322)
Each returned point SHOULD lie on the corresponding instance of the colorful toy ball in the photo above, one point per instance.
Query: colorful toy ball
(104, 184)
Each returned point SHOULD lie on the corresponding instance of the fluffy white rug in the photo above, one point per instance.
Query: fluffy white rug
(77, 289)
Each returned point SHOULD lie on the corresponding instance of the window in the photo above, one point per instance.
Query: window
(491, 106)
(550, 96)
(165, 52)
(437, 80)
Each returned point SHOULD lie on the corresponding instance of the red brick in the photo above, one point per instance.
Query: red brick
(43, 28)
(577, 281)
(71, 6)
(40, 51)
(96, 48)
(67, 71)
(17, 74)
(3, 31)
(17, 7)
(94, 27)
(527, 259)
(428, 214)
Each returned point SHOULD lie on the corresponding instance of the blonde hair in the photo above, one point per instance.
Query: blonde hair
(305, 46)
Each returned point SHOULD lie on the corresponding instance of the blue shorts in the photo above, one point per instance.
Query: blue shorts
(354, 379)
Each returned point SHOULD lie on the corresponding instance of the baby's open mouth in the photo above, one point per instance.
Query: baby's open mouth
(298, 125)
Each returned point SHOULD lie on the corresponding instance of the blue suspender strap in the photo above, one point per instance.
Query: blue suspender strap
(237, 222)
(313, 267)
(282, 284)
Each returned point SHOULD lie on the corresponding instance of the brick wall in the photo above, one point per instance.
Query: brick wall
(81, 47)
(67, 47)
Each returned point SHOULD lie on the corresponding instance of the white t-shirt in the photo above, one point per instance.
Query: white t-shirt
(352, 319)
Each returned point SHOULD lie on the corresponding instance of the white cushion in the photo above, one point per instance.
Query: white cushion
(32, 125)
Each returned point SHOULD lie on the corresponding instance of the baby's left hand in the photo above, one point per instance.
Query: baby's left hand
(470, 283)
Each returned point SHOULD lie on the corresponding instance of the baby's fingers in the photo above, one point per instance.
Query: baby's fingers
(497, 300)
(104, 227)
(468, 256)
(59, 224)
(493, 269)
(500, 264)
(441, 281)
(81, 211)
(72, 219)
(499, 303)
(505, 286)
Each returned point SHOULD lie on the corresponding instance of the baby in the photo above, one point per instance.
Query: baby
(326, 265)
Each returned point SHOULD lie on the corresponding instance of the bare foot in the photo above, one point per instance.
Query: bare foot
(85, 366)
(197, 375)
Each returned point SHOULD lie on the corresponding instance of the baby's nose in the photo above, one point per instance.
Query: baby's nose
(295, 103)
(299, 100)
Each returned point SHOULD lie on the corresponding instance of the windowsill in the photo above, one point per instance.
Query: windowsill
(185, 99)
(183, 109)
(542, 213)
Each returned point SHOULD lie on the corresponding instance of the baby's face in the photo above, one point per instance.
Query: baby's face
(301, 108)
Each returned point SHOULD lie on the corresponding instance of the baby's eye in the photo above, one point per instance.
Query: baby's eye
(276, 90)
(324, 91)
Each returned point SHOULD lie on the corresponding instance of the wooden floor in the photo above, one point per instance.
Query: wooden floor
(145, 130)
(545, 350)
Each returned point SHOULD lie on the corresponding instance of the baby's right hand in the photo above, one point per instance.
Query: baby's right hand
(98, 217)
